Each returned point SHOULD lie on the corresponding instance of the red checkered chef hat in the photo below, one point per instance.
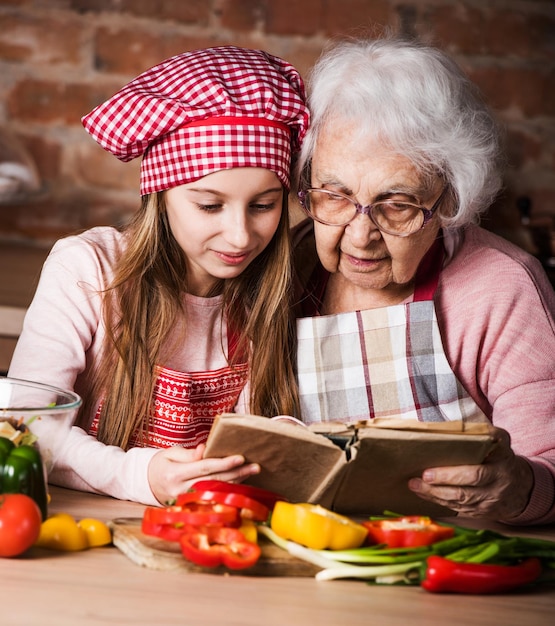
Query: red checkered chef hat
(204, 111)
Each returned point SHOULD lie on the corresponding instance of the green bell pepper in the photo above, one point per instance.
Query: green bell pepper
(21, 471)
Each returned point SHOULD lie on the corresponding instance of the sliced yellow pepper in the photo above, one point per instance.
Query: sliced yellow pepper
(316, 527)
(249, 530)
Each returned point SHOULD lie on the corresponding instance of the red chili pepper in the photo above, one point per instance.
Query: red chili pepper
(406, 532)
(265, 497)
(248, 508)
(444, 576)
(215, 546)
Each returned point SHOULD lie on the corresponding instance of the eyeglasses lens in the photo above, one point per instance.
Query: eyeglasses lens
(396, 218)
(330, 208)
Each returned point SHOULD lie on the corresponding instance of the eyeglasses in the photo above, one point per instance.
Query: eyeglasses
(390, 216)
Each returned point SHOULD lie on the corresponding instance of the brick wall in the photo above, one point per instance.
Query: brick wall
(60, 58)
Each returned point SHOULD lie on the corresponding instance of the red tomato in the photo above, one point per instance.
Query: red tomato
(20, 521)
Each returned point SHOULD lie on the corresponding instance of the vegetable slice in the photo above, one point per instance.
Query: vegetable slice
(219, 546)
(406, 532)
(316, 527)
(194, 513)
(249, 508)
(264, 496)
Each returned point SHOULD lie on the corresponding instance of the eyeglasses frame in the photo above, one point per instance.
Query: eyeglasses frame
(367, 210)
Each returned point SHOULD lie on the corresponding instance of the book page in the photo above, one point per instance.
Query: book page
(384, 460)
(294, 462)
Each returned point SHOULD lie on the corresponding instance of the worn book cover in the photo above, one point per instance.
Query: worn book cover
(359, 468)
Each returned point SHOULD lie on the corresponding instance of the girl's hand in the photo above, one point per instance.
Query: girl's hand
(498, 489)
(173, 470)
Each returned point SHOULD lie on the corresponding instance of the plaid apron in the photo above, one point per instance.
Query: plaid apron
(186, 403)
(386, 362)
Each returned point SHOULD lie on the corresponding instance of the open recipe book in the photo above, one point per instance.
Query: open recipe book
(359, 468)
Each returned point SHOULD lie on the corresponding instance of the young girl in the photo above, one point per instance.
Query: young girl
(159, 326)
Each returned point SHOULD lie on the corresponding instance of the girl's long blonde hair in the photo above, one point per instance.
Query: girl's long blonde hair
(143, 302)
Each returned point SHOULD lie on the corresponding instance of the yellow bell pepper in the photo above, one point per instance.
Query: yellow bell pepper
(63, 532)
(98, 533)
(249, 530)
(316, 527)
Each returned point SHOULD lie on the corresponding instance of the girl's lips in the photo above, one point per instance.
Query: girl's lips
(231, 258)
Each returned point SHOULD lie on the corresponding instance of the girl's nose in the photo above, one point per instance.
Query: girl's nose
(237, 229)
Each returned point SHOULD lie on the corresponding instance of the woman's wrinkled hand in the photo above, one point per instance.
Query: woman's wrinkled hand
(173, 470)
(498, 489)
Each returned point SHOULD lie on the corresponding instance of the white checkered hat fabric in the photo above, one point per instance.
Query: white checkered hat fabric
(204, 111)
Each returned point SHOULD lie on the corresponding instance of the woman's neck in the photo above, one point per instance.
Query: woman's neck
(341, 297)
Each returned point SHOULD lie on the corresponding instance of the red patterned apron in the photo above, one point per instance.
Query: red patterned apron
(186, 403)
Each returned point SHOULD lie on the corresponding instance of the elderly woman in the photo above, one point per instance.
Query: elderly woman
(409, 308)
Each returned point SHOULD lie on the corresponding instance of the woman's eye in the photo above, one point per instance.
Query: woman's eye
(400, 206)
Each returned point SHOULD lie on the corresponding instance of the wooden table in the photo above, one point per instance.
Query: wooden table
(102, 586)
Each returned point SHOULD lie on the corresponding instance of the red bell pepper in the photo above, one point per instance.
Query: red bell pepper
(406, 532)
(214, 546)
(168, 532)
(206, 521)
(444, 576)
(193, 513)
(265, 497)
(247, 507)
(152, 526)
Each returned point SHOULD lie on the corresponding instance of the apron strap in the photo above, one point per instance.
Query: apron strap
(427, 274)
(313, 295)
(233, 337)
(232, 341)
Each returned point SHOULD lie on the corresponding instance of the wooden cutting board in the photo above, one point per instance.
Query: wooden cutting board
(158, 554)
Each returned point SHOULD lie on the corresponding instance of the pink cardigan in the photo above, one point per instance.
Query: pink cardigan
(496, 310)
(62, 336)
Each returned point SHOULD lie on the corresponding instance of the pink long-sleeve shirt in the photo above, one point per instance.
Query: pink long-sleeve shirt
(62, 337)
(496, 313)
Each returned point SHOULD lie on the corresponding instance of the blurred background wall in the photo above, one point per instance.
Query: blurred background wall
(60, 58)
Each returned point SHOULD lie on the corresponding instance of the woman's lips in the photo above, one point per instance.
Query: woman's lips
(362, 263)
(232, 258)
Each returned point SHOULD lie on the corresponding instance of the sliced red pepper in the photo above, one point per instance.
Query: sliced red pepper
(249, 508)
(194, 513)
(215, 546)
(265, 497)
(446, 576)
(406, 532)
(168, 532)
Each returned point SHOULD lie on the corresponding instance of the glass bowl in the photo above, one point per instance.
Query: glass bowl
(31, 411)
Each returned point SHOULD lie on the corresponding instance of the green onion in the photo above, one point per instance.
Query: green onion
(383, 565)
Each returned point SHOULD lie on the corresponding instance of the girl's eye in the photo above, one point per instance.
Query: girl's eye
(209, 207)
(261, 207)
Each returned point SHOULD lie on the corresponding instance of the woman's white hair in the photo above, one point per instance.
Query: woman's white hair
(416, 100)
